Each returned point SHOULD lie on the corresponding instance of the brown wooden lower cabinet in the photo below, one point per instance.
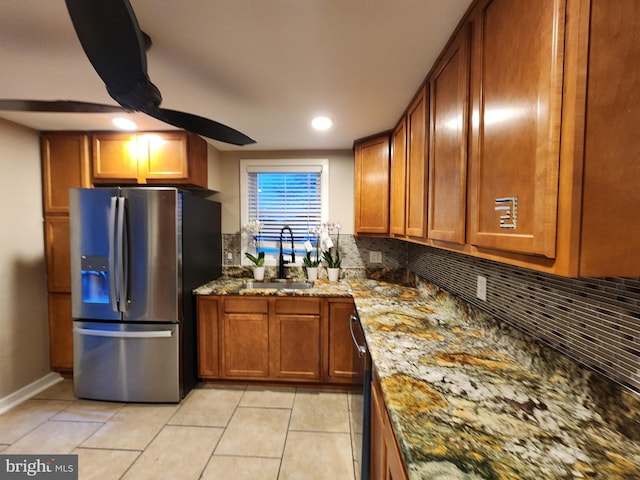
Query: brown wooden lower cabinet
(60, 332)
(386, 461)
(244, 338)
(208, 337)
(343, 357)
(281, 339)
(296, 339)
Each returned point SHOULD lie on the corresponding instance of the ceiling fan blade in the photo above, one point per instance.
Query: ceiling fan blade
(200, 125)
(112, 40)
(116, 47)
(54, 106)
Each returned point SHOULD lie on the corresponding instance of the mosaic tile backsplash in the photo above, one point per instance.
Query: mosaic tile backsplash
(594, 321)
(355, 251)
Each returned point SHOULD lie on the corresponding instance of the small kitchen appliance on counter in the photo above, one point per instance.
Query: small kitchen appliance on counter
(136, 256)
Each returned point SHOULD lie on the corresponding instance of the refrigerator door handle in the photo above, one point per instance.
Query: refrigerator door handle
(122, 255)
(121, 334)
(113, 287)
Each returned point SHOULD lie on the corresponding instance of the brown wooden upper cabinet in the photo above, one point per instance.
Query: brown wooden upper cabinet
(65, 164)
(554, 147)
(604, 135)
(449, 106)
(532, 141)
(398, 192)
(372, 174)
(416, 194)
(176, 158)
(518, 51)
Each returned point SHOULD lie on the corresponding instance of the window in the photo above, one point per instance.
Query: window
(281, 193)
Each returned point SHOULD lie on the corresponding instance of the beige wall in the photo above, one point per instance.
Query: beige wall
(341, 183)
(214, 168)
(24, 331)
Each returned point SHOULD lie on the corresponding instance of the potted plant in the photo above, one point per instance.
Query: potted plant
(309, 263)
(253, 229)
(331, 253)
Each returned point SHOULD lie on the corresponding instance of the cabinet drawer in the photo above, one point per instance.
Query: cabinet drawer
(246, 305)
(298, 306)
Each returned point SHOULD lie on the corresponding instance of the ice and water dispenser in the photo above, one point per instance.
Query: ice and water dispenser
(95, 279)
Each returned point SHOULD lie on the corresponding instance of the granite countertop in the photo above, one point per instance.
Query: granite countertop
(233, 286)
(470, 398)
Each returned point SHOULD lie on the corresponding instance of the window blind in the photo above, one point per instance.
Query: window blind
(277, 199)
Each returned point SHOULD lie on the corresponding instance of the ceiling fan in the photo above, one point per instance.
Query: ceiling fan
(116, 47)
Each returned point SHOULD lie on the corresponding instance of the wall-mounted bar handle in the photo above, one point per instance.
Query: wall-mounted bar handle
(120, 334)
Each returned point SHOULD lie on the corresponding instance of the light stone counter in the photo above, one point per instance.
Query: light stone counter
(470, 398)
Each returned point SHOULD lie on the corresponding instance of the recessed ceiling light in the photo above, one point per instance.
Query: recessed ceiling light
(321, 123)
(124, 123)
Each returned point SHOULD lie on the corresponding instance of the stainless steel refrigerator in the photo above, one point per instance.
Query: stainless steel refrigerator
(136, 256)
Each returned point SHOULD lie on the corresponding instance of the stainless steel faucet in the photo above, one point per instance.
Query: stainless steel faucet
(281, 260)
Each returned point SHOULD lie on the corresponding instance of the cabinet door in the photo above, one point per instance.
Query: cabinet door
(395, 466)
(378, 470)
(115, 157)
(372, 185)
(296, 347)
(398, 193)
(449, 99)
(245, 338)
(517, 68)
(610, 234)
(65, 165)
(208, 337)
(343, 356)
(176, 158)
(166, 156)
(57, 241)
(417, 167)
(245, 345)
(296, 341)
(386, 460)
(60, 332)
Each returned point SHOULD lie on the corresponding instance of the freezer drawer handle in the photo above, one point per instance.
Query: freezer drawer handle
(362, 350)
(118, 334)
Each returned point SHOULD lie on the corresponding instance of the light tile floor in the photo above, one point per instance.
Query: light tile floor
(216, 432)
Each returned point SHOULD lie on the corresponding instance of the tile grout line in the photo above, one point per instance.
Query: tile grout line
(286, 435)
(76, 410)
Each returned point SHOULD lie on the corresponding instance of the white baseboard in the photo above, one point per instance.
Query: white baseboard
(28, 391)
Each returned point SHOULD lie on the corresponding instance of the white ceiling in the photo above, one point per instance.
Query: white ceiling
(264, 67)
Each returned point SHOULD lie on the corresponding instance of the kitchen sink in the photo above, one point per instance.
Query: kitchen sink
(278, 285)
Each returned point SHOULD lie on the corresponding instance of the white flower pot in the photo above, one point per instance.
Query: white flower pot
(312, 273)
(258, 273)
(333, 274)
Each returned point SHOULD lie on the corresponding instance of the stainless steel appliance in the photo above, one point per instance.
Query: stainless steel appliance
(361, 402)
(136, 256)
